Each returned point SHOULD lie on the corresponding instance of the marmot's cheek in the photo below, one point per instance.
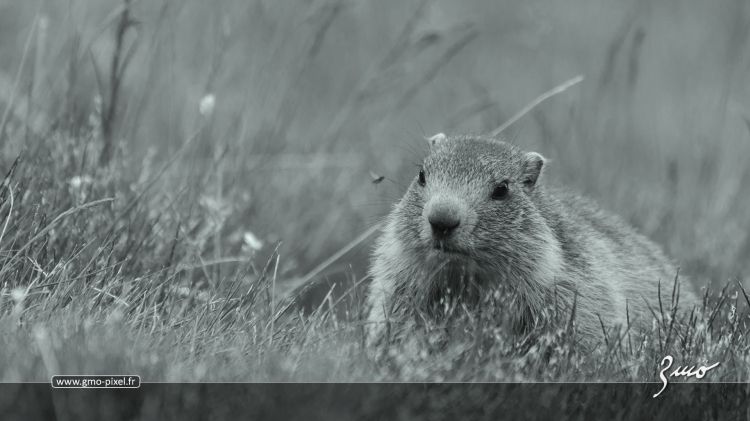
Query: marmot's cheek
(425, 231)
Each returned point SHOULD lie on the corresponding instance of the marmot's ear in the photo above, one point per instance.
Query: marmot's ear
(438, 138)
(532, 169)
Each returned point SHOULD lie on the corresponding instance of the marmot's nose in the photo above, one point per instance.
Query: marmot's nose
(443, 222)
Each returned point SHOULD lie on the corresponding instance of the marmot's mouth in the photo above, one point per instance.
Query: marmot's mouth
(447, 248)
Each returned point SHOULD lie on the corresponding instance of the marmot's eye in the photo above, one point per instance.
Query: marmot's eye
(421, 179)
(500, 191)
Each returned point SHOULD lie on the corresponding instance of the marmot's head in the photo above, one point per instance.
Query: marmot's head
(470, 205)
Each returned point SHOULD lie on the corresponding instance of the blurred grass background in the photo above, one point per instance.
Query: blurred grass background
(313, 98)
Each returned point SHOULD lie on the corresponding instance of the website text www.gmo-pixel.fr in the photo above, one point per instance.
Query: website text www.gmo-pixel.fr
(99, 381)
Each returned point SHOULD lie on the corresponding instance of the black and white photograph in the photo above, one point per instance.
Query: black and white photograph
(361, 209)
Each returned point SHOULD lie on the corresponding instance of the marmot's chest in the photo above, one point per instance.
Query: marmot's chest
(448, 281)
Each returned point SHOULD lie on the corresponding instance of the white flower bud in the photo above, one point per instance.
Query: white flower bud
(206, 107)
(252, 241)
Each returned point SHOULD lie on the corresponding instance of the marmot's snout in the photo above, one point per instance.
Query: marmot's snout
(446, 219)
(443, 220)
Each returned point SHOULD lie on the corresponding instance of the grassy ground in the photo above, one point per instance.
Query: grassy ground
(175, 254)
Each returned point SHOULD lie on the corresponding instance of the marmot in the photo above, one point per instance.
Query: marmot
(477, 213)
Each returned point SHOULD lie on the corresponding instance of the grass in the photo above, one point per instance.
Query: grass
(177, 258)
